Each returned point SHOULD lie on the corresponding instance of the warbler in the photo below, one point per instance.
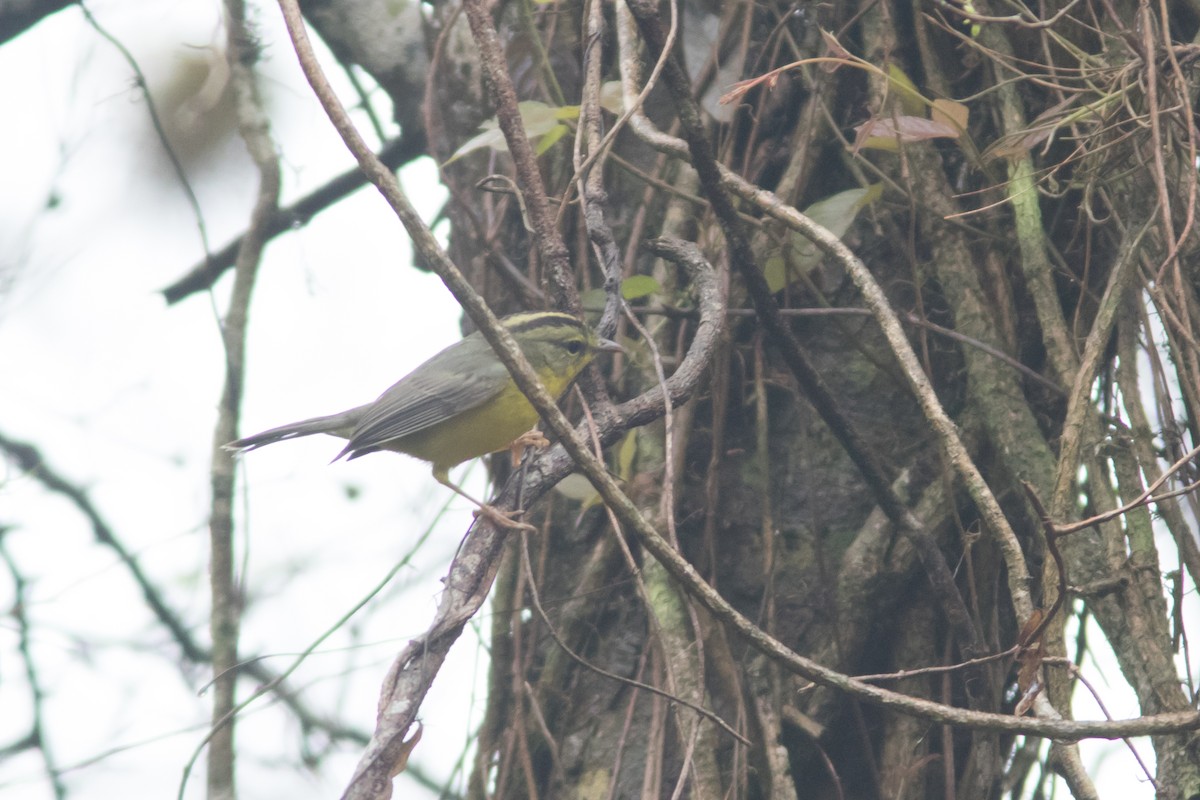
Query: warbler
(460, 404)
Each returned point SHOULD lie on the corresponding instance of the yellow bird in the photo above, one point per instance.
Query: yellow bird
(460, 404)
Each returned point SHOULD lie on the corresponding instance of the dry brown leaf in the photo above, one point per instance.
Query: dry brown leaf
(835, 51)
(1031, 625)
(950, 113)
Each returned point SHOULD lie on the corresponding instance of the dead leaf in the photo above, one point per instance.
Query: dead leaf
(1027, 700)
(1018, 143)
(1031, 625)
(739, 90)
(835, 50)
(1030, 659)
(904, 129)
(950, 113)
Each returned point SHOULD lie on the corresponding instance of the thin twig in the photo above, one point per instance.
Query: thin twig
(38, 737)
(450, 616)
(535, 599)
(155, 121)
(204, 275)
(31, 461)
(943, 427)
(1145, 498)
(225, 617)
(550, 245)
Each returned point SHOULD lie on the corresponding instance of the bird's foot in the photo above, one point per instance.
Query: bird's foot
(533, 438)
(504, 519)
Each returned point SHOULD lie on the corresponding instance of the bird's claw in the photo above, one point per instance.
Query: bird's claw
(504, 519)
(532, 438)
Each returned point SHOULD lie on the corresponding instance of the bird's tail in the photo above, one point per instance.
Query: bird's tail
(334, 424)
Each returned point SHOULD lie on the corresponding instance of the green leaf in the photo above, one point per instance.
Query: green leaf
(775, 270)
(632, 288)
(975, 28)
(626, 453)
(555, 133)
(537, 118)
(576, 487)
(799, 255)
(593, 300)
(611, 97)
(887, 143)
(911, 101)
(638, 286)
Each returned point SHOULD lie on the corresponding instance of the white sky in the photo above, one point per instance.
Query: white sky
(119, 391)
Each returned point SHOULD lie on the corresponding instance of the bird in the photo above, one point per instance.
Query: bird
(460, 404)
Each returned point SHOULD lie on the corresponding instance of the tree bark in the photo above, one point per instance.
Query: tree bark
(1024, 230)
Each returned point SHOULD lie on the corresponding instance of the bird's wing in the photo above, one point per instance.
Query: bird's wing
(433, 392)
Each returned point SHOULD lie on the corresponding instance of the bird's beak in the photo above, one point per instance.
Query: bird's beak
(609, 346)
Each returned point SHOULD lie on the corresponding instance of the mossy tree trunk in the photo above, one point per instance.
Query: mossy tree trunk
(1026, 200)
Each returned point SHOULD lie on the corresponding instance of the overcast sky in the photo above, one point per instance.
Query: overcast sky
(119, 392)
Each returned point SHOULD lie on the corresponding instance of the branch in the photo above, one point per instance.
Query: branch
(18, 16)
(875, 299)
(685, 573)
(225, 621)
(471, 574)
(818, 392)
(550, 244)
(201, 277)
(1145, 498)
(30, 461)
(475, 566)
(37, 736)
(589, 173)
(155, 122)
(1062, 730)
(1080, 419)
(473, 570)
(535, 600)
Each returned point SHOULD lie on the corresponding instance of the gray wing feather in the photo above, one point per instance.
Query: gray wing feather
(431, 393)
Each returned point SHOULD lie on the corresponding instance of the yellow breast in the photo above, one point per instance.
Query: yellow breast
(479, 431)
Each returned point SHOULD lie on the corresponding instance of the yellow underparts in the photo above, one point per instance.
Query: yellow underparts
(485, 429)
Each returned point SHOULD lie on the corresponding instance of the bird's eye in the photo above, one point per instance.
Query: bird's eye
(574, 347)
